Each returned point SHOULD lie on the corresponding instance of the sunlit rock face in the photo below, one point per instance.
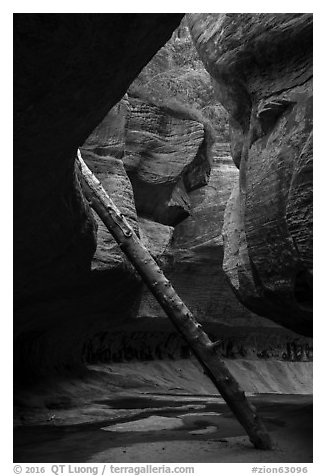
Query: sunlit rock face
(148, 157)
(103, 152)
(261, 65)
(167, 156)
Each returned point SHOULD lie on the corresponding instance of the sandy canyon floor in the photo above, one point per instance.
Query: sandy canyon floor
(164, 411)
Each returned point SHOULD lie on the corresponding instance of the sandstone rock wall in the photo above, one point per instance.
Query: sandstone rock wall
(69, 70)
(110, 298)
(148, 158)
(103, 152)
(192, 253)
(261, 65)
(106, 153)
(195, 267)
(167, 156)
(193, 263)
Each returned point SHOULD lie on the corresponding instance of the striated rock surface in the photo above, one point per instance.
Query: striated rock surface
(70, 71)
(156, 238)
(261, 65)
(162, 152)
(195, 267)
(192, 256)
(167, 155)
(196, 257)
(103, 152)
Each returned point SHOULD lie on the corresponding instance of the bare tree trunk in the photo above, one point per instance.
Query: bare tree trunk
(177, 311)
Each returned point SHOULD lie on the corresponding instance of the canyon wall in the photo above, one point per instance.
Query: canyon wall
(261, 67)
(149, 157)
(69, 71)
(76, 295)
(191, 253)
(195, 269)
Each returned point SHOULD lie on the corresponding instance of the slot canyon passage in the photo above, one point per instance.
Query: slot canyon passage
(199, 127)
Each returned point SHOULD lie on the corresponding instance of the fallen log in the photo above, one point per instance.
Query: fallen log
(199, 342)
